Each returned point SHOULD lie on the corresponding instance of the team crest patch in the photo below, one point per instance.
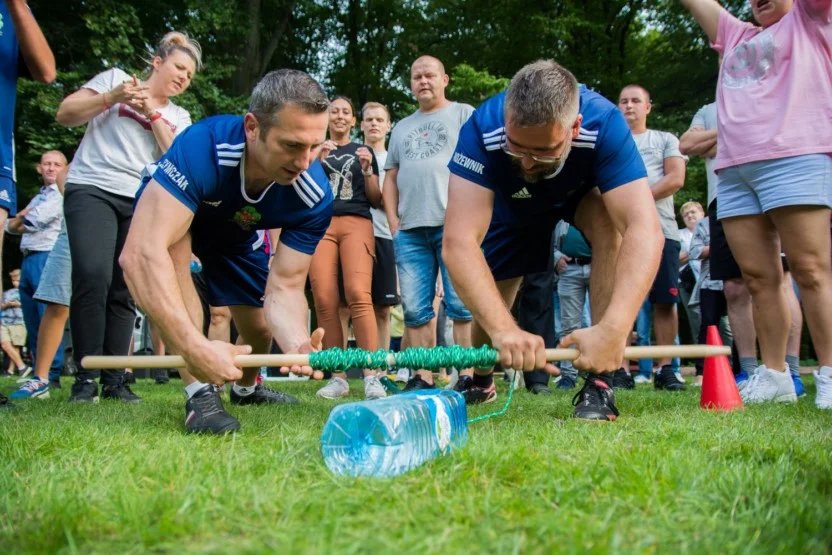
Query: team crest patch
(246, 218)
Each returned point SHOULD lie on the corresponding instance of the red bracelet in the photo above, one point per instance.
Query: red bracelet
(155, 116)
(104, 98)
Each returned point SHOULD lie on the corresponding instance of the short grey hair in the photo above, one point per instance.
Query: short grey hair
(282, 87)
(542, 93)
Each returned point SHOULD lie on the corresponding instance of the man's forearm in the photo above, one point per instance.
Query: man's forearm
(390, 201)
(698, 142)
(286, 312)
(635, 270)
(152, 281)
(666, 186)
(474, 283)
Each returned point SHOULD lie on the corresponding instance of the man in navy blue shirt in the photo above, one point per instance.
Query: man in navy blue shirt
(544, 150)
(23, 51)
(223, 179)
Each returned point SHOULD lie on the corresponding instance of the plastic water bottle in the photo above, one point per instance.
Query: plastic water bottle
(387, 437)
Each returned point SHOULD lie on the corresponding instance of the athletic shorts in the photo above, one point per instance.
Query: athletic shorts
(236, 274)
(723, 264)
(384, 289)
(757, 187)
(665, 288)
(8, 196)
(513, 251)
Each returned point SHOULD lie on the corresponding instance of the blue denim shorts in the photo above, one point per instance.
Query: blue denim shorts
(418, 254)
(56, 280)
(757, 187)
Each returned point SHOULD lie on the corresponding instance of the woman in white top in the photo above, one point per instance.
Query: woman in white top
(131, 123)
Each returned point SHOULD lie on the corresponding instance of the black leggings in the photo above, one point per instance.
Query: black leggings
(102, 312)
(712, 307)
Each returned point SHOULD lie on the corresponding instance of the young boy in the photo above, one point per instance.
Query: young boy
(13, 330)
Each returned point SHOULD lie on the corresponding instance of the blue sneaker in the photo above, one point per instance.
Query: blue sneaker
(741, 379)
(31, 389)
(798, 384)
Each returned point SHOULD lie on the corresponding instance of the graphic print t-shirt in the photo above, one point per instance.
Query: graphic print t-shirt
(420, 147)
(119, 142)
(347, 180)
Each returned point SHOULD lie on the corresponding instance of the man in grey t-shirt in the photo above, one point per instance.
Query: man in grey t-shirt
(666, 175)
(415, 195)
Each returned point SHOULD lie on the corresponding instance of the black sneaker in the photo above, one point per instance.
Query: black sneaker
(160, 375)
(204, 413)
(84, 391)
(120, 392)
(475, 395)
(416, 383)
(621, 379)
(54, 384)
(666, 379)
(5, 403)
(129, 378)
(595, 401)
(567, 381)
(540, 389)
(263, 396)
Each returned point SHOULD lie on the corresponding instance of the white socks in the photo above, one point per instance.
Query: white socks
(191, 390)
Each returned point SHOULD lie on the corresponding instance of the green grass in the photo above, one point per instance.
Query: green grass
(666, 477)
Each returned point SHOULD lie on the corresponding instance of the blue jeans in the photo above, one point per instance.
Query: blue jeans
(573, 294)
(419, 260)
(644, 322)
(30, 272)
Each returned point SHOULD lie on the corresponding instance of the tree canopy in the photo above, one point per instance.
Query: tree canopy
(363, 49)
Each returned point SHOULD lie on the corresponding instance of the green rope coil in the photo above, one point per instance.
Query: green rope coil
(340, 360)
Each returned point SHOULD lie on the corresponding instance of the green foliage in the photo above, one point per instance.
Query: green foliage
(472, 86)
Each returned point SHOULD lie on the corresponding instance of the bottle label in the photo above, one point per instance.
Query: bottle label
(442, 425)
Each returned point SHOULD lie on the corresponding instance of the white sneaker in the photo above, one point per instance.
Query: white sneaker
(402, 375)
(372, 388)
(823, 399)
(769, 385)
(641, 379)
(335, 388)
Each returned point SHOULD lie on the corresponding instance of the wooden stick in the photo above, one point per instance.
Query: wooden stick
(246, 361)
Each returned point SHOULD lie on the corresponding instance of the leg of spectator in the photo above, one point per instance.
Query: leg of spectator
(92, 227)
(121, 310)
(50, 338)
(13, 354)
(665, 327)
(796, 329)
(756, 246)
(29, 276)
(572, 295)
(804, 232)
(741, 317)
(323, 275)
(382, 314)
(357, 252)
(644, 325)
(344, 319)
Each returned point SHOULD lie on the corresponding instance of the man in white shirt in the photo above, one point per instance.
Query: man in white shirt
(39, 223)
(666, 174)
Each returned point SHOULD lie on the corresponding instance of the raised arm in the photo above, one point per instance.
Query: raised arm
(33, 46)
(706, 13)
(161, 221)
(390, 199)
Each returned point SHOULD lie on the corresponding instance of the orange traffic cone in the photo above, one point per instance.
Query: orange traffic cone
(719, 389)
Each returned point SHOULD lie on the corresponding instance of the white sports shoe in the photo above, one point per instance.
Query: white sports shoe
(641, 379)
(769, 385)
(823, 399)
(337, 387)
(372, 388)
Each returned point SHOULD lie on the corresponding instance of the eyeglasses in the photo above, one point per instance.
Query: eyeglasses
(547, 160)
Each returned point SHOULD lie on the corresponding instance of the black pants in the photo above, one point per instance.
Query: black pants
(102, 312)
(536, 314)
(712, 307)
